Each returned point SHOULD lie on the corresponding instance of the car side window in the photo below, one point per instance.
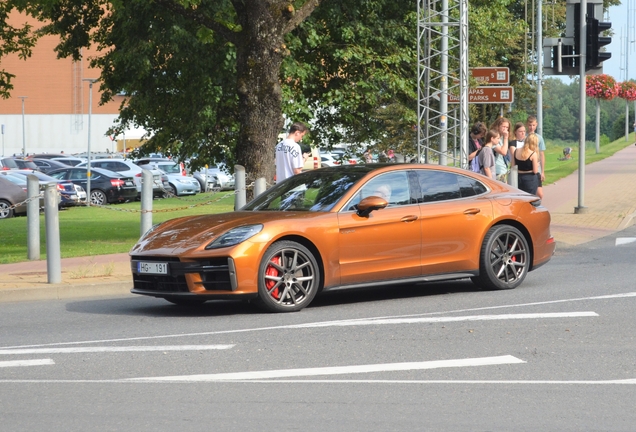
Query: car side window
(392, 186)
(59, 175)
(438, 186)
(78, 175)
(469, 186)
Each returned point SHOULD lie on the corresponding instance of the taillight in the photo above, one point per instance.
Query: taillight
(60, 187)
(117, 182)
(315, 162)
(138, 175)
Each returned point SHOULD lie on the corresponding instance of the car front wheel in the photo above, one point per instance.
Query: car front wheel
(289, 277)
(504, 259)
(5, 209)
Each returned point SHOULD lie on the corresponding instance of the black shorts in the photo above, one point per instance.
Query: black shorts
(539, 179)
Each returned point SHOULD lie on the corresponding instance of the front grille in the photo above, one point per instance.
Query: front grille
(164, 284)
(215, 275)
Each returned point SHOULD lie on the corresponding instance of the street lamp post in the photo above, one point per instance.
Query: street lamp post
(91, 81)
(23, 128)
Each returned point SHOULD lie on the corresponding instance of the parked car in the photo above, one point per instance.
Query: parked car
(47, 156)
(223, 180)
(8, 163)
(70, 160)
(69, 195)
(179, 183)
(348, 227)
(129, 169)
(26, 164)
(10, 195)
(46, 165)
(106, 186)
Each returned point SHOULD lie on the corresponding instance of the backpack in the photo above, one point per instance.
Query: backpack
(474, 164)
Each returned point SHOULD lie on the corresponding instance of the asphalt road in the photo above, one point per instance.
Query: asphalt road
(556, 354)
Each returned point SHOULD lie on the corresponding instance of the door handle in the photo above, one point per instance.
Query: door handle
(409, 218)
(472, 211)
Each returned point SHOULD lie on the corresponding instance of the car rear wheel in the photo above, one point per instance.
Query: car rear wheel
(289, 277)
(98, 197)
(504, 259)
(5, 209)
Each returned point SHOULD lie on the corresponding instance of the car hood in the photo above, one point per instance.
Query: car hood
(192, 233)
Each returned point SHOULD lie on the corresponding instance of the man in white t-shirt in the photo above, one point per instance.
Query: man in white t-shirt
(289, 156)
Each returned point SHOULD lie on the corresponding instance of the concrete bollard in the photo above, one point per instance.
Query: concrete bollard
(147, 184)
(260, 186)
(240, 198)
(513, 177)
(33, 218)
(52, 222)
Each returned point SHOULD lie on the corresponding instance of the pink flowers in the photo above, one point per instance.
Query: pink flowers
(627, 90)
(601, 87)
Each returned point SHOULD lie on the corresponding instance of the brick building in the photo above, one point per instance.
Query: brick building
(56, 104)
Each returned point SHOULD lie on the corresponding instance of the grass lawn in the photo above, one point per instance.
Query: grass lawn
(556, 169)
(86, 231)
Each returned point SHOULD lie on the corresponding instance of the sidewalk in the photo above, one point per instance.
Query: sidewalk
(609, 206)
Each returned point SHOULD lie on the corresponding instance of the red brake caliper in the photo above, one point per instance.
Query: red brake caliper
(272, 271)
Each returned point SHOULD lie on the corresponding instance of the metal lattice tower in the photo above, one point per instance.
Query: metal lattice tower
(442, 48)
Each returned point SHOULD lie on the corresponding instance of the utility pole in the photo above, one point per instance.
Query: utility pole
(23, 128)
(91, 81)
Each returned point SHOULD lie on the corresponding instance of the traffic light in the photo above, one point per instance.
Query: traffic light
(594, 42)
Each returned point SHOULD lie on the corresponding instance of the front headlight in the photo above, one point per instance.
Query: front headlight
(235, 236)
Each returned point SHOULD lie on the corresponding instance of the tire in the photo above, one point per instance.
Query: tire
(98, 197)
(170, 191)
(185, 301)
(288, 277)
(504, 259)
(5, 212)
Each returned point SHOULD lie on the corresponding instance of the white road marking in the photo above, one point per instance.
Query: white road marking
(339, 370)
(113, 349)
(414, 320)
(292, 326)
(16, 363)
(624, 240)
(328, 381)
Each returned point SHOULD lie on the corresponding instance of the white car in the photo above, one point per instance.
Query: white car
(129, 169)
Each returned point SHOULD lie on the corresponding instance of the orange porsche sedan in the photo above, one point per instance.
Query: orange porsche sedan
(350, 226)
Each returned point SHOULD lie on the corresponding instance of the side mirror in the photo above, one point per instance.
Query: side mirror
(368, 204)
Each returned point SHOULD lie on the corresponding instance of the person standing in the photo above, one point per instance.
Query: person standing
(527, 161)
(477, 133)
(486, 155)
(502, 126)
(519, 133)
(531, 126)
(289, 156)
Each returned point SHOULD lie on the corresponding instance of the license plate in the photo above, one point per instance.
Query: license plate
(152, 267)
(129, 183)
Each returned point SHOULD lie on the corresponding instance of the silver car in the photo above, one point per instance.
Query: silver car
(179, 184)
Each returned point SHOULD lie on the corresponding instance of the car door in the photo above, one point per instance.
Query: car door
(455, 215)
(386, 244)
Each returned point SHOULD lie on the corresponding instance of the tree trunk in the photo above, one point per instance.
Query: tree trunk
(258, 64)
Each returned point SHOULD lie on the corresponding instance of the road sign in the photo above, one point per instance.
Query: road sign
(487, 95)
(491, 75)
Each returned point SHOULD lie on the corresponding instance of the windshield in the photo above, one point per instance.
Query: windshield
(317, 190)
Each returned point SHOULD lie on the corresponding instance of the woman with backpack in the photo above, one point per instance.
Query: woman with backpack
(475, 142)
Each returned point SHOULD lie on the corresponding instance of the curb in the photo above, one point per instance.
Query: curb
(65, 291)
